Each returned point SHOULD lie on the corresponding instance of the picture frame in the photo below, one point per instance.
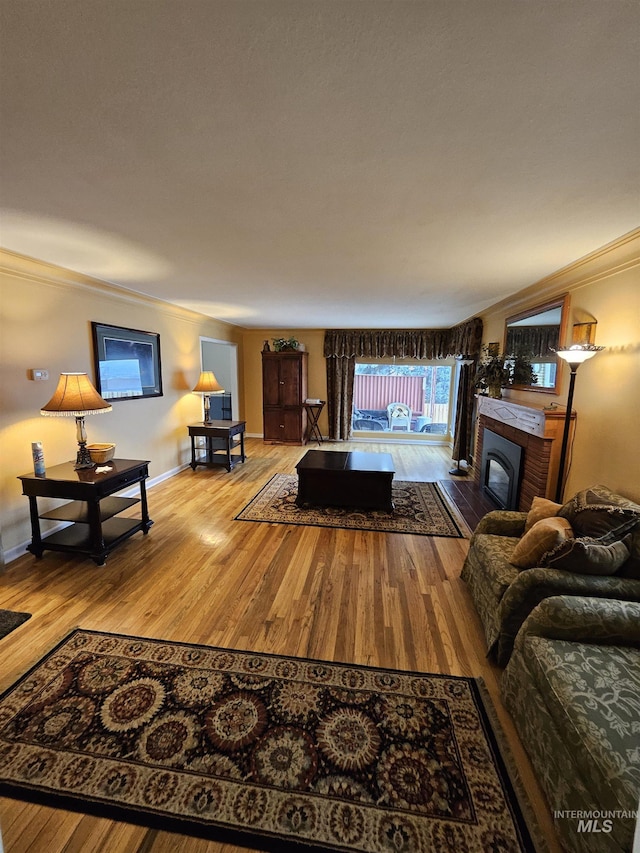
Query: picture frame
(127, 362)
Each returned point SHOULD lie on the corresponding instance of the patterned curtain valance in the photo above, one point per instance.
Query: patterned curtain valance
(463, 340)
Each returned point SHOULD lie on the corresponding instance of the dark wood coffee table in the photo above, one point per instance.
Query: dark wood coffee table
(355, 478)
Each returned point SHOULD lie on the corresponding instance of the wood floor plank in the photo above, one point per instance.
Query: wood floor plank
(89, 834)
(199, 576)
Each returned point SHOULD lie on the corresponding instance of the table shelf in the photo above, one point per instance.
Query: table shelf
(78, 511)
(76, 537)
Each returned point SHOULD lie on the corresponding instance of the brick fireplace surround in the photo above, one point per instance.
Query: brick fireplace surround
(538, 431)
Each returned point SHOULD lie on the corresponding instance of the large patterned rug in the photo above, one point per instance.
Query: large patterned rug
(419, 508)
(268, 751)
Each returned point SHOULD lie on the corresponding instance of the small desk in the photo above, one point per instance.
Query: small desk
(219, 436)
(95, 530)
(355, 478)
(314, 410)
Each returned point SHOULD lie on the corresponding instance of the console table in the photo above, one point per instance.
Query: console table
(219, 436)
(93, 507)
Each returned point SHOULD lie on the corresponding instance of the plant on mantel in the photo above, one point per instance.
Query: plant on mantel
(497, 371)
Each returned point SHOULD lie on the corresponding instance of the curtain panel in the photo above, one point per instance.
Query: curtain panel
(343, 346)
(463, 430)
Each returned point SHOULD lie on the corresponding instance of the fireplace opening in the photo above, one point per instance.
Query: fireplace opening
(501, 469)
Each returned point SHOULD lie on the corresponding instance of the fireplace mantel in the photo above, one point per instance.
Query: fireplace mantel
(537, 430)
(525, 418)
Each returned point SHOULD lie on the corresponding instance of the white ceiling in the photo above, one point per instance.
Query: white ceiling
(319, 163)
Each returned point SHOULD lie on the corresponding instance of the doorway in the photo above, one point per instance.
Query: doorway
(222, 358)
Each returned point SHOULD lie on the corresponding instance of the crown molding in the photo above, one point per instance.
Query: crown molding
(41, 272)
(612, 259)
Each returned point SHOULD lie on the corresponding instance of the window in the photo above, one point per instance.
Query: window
(402, 398)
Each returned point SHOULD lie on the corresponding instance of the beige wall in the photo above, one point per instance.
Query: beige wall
(45, 317)
(605, 285)
(252, 343)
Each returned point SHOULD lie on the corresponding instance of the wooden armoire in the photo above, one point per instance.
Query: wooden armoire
(284, 390)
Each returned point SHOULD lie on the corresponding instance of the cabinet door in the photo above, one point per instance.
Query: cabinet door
(271, 381)
(282, 425)
(290, 382)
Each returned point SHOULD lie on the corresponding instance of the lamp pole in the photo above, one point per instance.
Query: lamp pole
(565, 435)
(574, 356)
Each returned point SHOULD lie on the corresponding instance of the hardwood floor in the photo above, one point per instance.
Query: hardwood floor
(199, 576)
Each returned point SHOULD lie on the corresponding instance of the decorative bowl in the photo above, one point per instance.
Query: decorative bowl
(101, 453)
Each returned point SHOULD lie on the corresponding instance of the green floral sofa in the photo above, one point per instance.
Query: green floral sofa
(505, 594)
(572, 687)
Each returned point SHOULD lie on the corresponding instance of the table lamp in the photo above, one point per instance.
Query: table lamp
(76, 396)
(206, 385)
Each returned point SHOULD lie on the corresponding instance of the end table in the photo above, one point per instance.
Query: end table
(92, 507)
(314, 410)
(219, 436)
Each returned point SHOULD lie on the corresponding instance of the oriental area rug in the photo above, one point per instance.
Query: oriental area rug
(419, 508)
(10, 620)
(273, 752)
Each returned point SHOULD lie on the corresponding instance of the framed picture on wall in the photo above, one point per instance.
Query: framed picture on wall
(127, 362)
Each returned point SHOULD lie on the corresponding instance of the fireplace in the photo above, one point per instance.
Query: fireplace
(537, 431)
(501, 469)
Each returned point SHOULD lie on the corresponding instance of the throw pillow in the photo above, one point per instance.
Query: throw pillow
(588, 556)
(541, 508)
(597, 510)
(545, 535)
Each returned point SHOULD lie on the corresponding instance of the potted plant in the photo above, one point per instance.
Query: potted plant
(497, 371)
(285, 344)
(492, 373)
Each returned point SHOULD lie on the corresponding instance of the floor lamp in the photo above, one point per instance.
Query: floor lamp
(574, 356)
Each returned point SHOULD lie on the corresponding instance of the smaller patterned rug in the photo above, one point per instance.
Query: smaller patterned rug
(10, 620)
(419, 508)
(269, 751)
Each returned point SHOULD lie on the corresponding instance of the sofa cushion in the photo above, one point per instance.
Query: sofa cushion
(597, 510)
(588, 556)
(592, 693)
(631, 569)
(541, 508)
(544, 536)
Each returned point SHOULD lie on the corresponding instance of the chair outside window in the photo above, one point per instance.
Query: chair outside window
(399, 416)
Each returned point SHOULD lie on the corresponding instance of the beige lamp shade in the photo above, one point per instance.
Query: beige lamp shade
(578, 353)
(207, 383)
(75, 396)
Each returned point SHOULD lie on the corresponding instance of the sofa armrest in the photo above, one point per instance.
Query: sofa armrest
(502, 522)
(534, 585)
(601, 621)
